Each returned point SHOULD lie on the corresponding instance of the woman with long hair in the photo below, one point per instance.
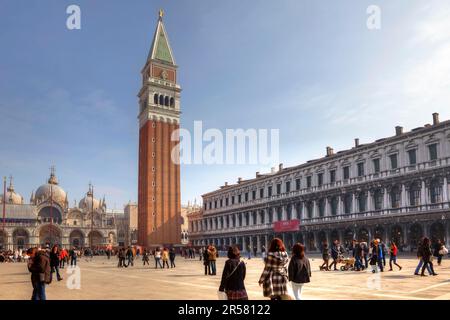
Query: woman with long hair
(274, 277)
(299, 270)
(233, 276)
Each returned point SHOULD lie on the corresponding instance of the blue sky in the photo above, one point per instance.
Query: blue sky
(309, 68)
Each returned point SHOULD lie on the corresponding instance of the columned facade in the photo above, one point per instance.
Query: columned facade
(394, 189)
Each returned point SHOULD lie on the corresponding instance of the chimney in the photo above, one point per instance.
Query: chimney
(226, 184)
(356, 142)
(398, 130)
(330, 151)
(272, 170)
(280, 167)
(435, 118)
(257, 174)
(239, 180)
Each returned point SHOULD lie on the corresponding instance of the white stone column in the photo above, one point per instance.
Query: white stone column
(423, 194)
(369, 201)
(294, 211)
(258, 244)
(237, 220)
(404, 198)
(274, 215)
(314, 213)
(266, 215)
(445, 191)
(353, 203)
(327, 207)
(303, 213)
(339, 208)
(283, 213)
(251, 218)
(385, 199)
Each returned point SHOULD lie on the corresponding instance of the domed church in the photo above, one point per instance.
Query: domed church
(49, 220)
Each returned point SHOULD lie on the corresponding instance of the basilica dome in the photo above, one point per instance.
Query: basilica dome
(86, 203)
(11, 196)
(51, 191)
(89, 203)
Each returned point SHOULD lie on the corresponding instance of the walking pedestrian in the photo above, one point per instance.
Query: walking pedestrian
(62, 258)
(233, 276)
(421, 261)
(439, 250)
(73, 257)
(299, 270)
(335, 254)
(393, 250)
(165, 258)
(157, 256)
(54, 263)
(39, 266)
(212, 256)
(145, 258)
(427, 257)
(130, 256)
(325, 257)
(206, 262)
(274, 277)
(172, 255)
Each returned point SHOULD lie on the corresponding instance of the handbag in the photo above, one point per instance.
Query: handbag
(443, 251)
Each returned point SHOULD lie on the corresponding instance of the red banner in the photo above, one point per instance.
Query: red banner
(286, 226)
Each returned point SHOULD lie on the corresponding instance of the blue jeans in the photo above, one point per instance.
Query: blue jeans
(212, 265)
(158, 262)
(419, 266)
(38, 291)
(358, 263)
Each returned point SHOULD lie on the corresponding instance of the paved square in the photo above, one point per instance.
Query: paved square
(102, 280)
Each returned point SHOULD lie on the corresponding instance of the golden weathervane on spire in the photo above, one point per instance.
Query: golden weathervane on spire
(161, 14)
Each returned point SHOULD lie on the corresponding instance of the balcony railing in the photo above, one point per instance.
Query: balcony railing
(444, 206)
(329, 186)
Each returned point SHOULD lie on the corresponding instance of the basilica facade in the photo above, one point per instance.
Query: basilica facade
(396, 188)
(47, 219)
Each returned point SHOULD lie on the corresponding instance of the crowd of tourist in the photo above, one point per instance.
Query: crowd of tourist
(280, 268)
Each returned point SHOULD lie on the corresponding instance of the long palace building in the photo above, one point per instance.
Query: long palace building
(395, 188)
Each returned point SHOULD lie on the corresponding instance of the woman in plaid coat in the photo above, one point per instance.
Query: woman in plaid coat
(274, 278)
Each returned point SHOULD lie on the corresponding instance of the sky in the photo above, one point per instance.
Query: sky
(312, 69)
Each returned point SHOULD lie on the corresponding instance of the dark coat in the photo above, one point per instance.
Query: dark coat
(233, 281)
(40, 264)
(299, 270)
(54, 259)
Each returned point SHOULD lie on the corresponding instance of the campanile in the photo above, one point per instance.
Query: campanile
(159, 208)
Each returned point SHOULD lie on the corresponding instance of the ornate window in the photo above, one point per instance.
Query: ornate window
(348, 203)
(435, 192)
(362, 202)
(322, 207)
(395, 197)
(334, 206)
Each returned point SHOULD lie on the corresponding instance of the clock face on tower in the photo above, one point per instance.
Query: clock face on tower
(164, 75)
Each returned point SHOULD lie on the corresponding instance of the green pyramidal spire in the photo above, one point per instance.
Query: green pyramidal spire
(160, 49)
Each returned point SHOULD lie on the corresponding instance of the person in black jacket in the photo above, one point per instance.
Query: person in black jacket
(233, 276)
(172, 255)
(54, 262)
(299, 270)
(427, 257)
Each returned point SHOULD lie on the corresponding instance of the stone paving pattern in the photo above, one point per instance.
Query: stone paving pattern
(102, 280)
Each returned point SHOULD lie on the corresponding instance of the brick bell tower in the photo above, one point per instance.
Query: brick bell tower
(159, 208)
